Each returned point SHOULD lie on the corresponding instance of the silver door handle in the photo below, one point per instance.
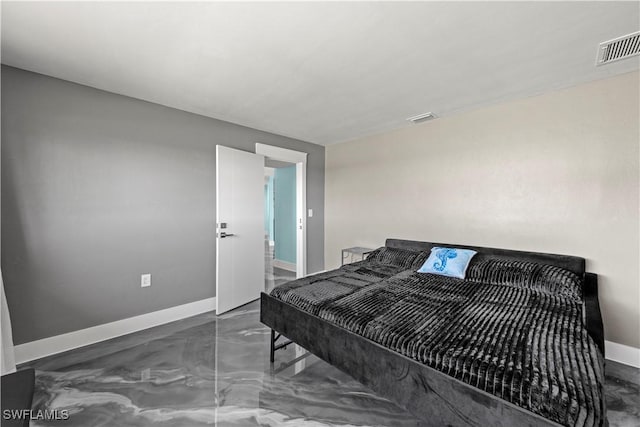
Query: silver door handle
(222, 235)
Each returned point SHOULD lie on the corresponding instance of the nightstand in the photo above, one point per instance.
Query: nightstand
(356, 250)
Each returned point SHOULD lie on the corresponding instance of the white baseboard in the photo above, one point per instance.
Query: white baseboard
(289, 266)
(622, 353)
(317, 272)
(48, 346)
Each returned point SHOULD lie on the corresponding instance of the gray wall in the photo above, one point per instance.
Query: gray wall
(98, 188)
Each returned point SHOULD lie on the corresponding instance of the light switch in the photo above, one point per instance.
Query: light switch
(310, 213)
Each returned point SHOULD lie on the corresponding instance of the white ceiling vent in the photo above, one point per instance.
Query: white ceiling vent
(422, 118)
(620, 48)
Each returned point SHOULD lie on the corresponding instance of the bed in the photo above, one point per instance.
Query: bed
(517, 342)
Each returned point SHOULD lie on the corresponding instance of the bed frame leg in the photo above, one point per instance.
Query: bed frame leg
(272, 349)
(275, 336)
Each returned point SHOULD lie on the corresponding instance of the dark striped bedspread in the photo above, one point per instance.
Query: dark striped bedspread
(523, 343)
(312, 292)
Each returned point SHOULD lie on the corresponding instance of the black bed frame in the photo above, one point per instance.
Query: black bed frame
(431, 395)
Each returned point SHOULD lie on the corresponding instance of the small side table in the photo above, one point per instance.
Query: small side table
(356, 250)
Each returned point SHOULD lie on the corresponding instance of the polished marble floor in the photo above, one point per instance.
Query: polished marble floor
(209, 370)
(277, 276)
(274, 276)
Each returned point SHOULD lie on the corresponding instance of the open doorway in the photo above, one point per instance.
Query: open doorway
(292, 220)
(280, 222)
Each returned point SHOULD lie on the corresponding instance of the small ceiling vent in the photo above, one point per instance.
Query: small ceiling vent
(620, 48)
(422, 118)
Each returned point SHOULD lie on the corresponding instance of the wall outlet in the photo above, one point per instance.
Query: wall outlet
(145, 280)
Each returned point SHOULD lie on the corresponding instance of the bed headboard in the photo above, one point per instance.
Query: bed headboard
(568, 262)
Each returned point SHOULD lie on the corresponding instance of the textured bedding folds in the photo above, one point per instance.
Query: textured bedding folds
(513, 329)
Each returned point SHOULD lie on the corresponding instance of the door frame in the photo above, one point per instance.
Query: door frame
(300, 160)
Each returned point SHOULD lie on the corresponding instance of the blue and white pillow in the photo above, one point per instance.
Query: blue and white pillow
(452, 262)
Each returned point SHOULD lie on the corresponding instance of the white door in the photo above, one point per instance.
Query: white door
(239, 227)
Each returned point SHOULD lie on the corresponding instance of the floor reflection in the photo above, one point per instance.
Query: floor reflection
(206, 370)
(274, 276)
(210, 370)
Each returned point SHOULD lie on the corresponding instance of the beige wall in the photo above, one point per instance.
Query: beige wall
(553, 173)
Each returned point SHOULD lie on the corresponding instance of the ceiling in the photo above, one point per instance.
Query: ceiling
(321, 72)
